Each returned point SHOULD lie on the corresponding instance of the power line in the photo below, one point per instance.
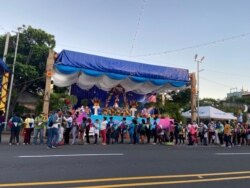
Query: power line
(39, 78)
(228, 73)
(215, 82)
(194, 46)
(138, 26)
(2, 28)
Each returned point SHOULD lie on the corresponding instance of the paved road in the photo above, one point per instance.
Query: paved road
(138, 165)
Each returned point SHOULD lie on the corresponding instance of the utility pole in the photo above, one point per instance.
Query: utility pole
(6, 46)
(198, 61)
(193, 96)
(49, 72)
(12, 78)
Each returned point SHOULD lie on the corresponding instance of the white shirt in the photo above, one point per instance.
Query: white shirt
(69, 121)
(96, 128)
(32, 122)
(104, 125)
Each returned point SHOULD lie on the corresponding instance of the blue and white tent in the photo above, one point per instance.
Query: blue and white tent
(88, 71)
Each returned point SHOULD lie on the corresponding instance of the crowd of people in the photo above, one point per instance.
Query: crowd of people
(75, 127)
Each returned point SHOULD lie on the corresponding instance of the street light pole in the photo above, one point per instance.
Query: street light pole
(198, 61)
(12, 78)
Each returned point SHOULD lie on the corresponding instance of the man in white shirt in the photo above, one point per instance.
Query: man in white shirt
(69, 121)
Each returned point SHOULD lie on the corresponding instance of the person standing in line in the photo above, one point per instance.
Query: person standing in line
(211, 133)
(103, 130)
(220, 130)
(204, 130)
(136, 132)
(227, 134)
(154, 130)
(15, 122)
(88, 126)
(122, 128)
(39, 128)
(96, 130)
(2, 119)
(131, 130)
(108, 130)
(53, 136)
(142, 131)
(176, 132)
(29, 126)
(75, 127)
(113, 133)
(82, 130)
(181, 134)
(69, 121)
(148, 130)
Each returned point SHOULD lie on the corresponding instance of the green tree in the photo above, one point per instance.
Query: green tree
(210, 102)
(33, 49)
(173, 108)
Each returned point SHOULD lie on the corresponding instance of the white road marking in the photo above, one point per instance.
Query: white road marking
(232, 153)
(71, 155)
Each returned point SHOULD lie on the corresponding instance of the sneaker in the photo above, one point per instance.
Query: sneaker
(10, 144)
(48, 147)
(54, 147)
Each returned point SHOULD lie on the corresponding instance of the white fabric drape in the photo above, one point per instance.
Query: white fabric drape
(105, 83)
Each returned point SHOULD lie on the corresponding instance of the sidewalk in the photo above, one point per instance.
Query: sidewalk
(5, 137)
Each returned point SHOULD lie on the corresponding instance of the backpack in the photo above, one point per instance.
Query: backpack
(51, 120)
(15, 121)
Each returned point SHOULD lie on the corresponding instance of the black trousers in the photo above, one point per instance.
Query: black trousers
(87, 136)
(66, 135)
(155, 135)
(108, 136)
(228, 140)
(15, 134)
(220, 135)
(148, 135)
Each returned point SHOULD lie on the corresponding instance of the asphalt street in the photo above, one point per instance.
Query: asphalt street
(124, 166)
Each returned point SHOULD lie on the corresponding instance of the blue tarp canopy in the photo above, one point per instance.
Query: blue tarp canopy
(3, 67)
(87, 71)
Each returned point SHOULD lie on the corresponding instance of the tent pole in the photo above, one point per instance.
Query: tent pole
(49, 70)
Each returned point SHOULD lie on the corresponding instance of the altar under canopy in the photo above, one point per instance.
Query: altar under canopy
(114, 79)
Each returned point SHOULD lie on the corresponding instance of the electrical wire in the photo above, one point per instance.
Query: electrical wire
(39, 78)
(195, 46)
(2, 28)
(215, 82)
(138, 26)
(228, 73)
